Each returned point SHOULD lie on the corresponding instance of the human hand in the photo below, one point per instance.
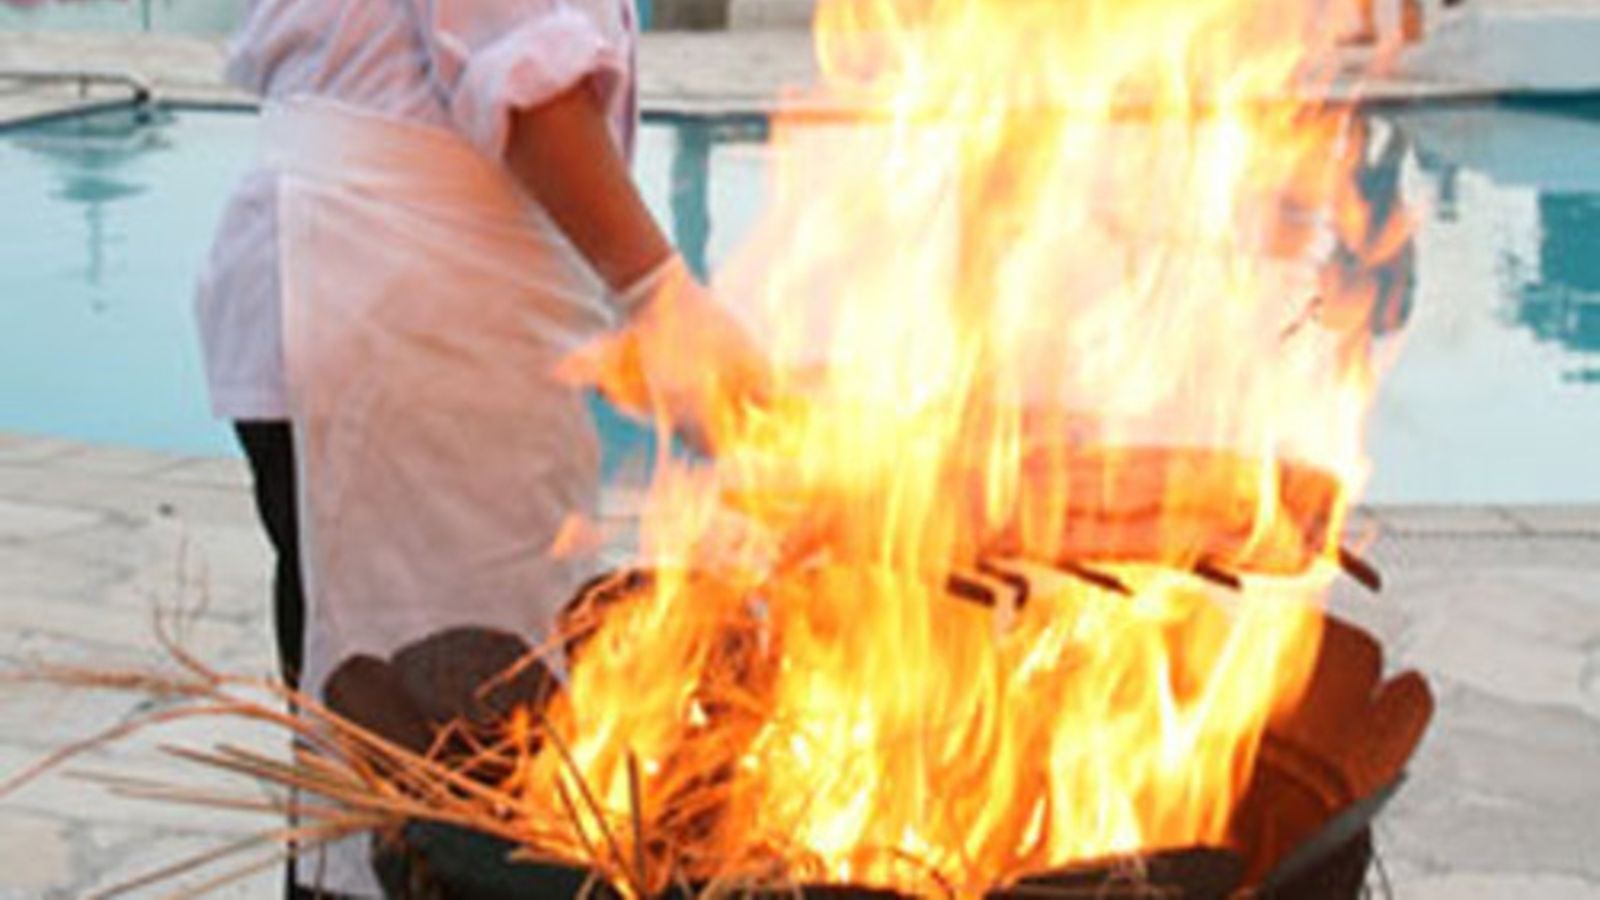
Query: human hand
(682, 356)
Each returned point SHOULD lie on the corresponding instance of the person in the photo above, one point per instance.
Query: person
(440, 217)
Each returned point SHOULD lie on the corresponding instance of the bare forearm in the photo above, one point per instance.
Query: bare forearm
(563, 154)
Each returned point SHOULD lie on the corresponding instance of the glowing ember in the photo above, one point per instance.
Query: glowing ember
(1050, 301)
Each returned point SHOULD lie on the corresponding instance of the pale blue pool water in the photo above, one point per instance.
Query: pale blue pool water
(207, 17)
(1495, 397)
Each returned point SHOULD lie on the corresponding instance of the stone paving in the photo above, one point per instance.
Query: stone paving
(92, 542)
(1499, 606)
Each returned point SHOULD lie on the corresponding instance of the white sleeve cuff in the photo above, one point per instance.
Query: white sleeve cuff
(635, 296)
(531, 65)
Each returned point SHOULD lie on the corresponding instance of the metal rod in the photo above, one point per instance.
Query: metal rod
(1210, 572)
(970, 590)
(1365, 573)
(1014, 580)
(1099, 579)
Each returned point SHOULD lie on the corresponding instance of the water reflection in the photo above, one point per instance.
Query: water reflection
(1561, 302)
(1537, 150)
(91, 156)
(689, 193)
(1384, 276)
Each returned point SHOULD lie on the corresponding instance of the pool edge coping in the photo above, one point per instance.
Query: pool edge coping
(106, 461)
(737, 109)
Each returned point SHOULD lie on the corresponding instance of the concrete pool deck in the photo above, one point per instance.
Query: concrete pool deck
(729, 72)
(1499, 606)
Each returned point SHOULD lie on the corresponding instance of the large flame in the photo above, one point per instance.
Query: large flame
(1051, 307)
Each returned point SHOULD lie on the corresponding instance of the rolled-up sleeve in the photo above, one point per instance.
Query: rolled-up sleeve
(493, 57)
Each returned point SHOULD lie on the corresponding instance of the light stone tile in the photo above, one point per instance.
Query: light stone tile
(218, 471)
(1379, 614)
(1499, 786)
(1459, 554)
(131, 852)
(794, 14)
(1589, 685)
(1556, 607)
(1566, 520)
(134, 497)
(70, 790)
(1514, 669)
(225, 552)
(1447, 520)
(23, 521)
(113, 460)
(35, 855)
(126, 632)
(172, 557)
(36, 719)
(27, 450)
(229, 555)
(1363, 521)
(1498, 886)
(1521, 634)
(28, 576)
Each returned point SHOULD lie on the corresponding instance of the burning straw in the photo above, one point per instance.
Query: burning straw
(1345, 745)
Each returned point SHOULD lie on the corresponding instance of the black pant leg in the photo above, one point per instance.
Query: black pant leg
(270, 449)
(269, 446)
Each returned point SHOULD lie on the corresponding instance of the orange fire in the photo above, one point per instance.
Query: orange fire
(1045, 305)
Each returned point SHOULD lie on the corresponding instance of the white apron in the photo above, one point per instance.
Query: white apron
(425, 304)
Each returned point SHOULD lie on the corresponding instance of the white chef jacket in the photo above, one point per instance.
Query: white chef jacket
(380, 279)
(460, 64)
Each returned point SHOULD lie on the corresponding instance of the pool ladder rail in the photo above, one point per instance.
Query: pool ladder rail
(139, 92)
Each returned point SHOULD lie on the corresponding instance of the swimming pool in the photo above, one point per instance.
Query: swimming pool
(208, 17)
(1495, 398)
